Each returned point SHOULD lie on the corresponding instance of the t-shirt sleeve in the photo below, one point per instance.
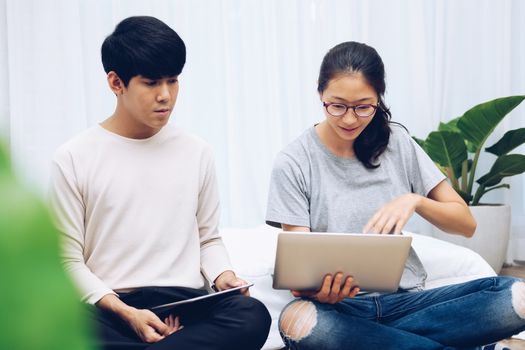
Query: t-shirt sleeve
(213, 254)
(288, 199)
(424, 175)
(68, 209)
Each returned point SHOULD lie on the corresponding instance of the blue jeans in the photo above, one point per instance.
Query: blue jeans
(458, 316)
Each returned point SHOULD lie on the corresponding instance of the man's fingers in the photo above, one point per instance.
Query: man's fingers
(241, 281)
(151, 336)
(173, 323)
(158, 326)
(169, 320)
(243, 291)
(235, 283)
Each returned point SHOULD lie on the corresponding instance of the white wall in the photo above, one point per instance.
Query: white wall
(249, 86)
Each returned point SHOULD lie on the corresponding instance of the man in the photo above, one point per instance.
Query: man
(137, 202)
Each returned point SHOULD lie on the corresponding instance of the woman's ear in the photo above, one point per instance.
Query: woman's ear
(115, 83)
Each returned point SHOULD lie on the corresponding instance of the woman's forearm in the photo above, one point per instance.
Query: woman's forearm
(452, 217)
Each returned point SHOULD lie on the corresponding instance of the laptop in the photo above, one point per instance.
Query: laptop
(375, 261)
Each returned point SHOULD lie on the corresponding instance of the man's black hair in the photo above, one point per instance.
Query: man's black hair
(143, 45)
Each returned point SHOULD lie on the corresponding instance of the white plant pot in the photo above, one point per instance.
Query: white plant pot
(491, 237)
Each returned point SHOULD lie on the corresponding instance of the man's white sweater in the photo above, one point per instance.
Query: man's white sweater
(137, 213)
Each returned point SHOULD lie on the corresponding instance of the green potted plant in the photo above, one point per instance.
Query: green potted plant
(456, 148)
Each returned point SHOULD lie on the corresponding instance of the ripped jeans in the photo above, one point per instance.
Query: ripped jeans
(461, 316)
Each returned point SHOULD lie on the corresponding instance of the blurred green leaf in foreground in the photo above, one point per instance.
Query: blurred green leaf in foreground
(39, 306)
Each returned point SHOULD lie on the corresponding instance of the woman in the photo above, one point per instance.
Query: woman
(358, 172)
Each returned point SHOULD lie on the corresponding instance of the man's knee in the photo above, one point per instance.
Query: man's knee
(258, 313)
(254, 320)
(298, 320)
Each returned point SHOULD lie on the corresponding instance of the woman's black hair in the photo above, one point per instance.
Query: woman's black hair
(357, 58)
(143, 45)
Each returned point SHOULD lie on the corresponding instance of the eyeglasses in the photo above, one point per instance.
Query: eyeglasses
(340, 109)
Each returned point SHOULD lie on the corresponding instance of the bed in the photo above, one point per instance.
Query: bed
(252, 252)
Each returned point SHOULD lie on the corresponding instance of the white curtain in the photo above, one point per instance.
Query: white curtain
(249, 86)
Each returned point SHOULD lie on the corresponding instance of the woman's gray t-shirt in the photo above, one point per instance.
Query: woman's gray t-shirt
(312, 187)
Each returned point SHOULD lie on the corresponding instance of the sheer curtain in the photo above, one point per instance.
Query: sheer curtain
(249, 86)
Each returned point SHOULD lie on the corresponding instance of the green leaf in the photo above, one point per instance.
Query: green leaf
(480, 121)
(506, 165)
(447, 148)
(507, 186)
(4, 161)
(451, 125)
(509, 141)
(39, 305)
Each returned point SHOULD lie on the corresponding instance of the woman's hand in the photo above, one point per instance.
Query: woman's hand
(332, 291)
(393, 216)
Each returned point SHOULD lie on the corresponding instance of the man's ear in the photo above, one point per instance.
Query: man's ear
(115, 83)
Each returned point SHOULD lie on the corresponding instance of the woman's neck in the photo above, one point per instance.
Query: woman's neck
(339, 147)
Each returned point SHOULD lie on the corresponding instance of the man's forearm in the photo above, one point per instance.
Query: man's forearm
(113, 304)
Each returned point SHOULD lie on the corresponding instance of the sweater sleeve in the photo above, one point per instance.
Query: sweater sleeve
(214, 257)
(69, 214)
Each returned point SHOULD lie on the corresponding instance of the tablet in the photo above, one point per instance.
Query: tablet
(375, 261)
(202, 297)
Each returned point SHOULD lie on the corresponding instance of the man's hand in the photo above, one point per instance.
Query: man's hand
(147, 325)
(332, 291)
(173, 323)
(228, 280)
(143, 322)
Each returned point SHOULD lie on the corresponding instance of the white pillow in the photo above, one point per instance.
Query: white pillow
(252, 253)
(447, 263)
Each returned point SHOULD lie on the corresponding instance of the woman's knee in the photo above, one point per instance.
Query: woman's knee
(518, 298)
(298, 320)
